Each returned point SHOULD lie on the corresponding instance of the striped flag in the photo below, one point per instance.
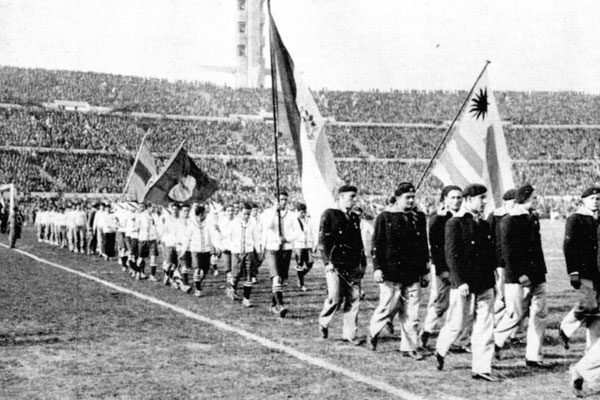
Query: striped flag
(143, 170)
(476, 151)
(297, 115)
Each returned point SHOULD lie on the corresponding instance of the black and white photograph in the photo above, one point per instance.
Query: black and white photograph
(310, 199)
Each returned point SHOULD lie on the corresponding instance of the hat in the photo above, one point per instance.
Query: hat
(523, 193)
(474, 189)
(404, 187)
(301, 207)
(283, 192)
(590, 191)
(509, 195)
(447, 189)
(347, 188)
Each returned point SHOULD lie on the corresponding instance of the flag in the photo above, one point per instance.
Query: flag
(476, 151)
(143, 170)
(298, 116)
(180, 180)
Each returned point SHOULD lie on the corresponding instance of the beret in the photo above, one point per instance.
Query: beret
(474, 189)
(347, 188)
(301, 207)
(448, 189)
(523, 193)
(509, 195)
(590, 191)
(404, 187)
(283, 193)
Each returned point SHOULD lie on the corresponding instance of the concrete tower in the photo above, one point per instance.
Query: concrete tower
(250, 44)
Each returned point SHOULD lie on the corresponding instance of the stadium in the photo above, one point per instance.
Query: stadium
(74, 326)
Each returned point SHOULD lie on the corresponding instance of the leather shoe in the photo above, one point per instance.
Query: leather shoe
(324, 332)
(497, 352)
(372, 342)
(439, 361)
(460, 349)
(424, 338)
(353, 342)
(564, 339)
(484, 377)
(538, 364)
(576, 382)
(414, 354)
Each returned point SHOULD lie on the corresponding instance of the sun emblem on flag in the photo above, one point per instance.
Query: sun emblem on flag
(479, 106)
(309, 123)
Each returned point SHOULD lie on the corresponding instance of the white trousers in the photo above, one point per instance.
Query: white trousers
(439, 301)
(517, 300)
(482, 338)
(405, 300)
(589, 366)
(339, 290)
(587, 301)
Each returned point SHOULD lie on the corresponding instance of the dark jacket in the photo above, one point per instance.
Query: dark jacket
(494, 220)
(470, 253)
(437, 226)
(400, 246)
(340, 242)
(581, 245)
(522, 247)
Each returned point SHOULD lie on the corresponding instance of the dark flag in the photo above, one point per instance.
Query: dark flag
(181, 180)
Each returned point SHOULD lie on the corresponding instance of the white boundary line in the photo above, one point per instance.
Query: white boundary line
(385, 387)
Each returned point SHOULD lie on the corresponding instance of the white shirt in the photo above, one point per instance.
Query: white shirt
(146, 226)
(304, 236)
(224, 225)
(243, 236)
(270, 229)
(200, 236)
(168, 229)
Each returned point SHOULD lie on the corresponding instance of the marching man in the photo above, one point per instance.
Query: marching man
(400, 256)
(303, 245)
(244, 242)
(525, 276)
(201, 244)
(342, 250)
(471, 261)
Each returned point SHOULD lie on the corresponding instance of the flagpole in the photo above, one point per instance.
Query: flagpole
(135, 161)
(439, 147)
(275, 112)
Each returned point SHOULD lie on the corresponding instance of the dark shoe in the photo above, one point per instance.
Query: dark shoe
(564, 339)
(439, 361)
(516, 341)
(497, 352)
(484, 377)
(424, 338)
(576, 382)
(460, 349)
(353, 342)
(372, 342)
(282, 311)
(390, 327)
(324, 332)
(538, 364)
(416, 355)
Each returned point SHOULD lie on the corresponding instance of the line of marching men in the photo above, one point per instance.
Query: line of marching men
(192, 239)
(488, 275)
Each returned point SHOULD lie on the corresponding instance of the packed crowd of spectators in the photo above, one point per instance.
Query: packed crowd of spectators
(21, 85)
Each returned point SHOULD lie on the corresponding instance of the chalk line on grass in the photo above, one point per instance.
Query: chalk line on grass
(358, 377)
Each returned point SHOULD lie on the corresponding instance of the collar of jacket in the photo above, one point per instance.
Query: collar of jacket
(518, 210)
(585, 211)
(463, 212)
(443, 212)
(500, 211)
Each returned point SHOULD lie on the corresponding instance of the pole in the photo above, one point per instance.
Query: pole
(275, 113)
(439, 147)
(134, 162)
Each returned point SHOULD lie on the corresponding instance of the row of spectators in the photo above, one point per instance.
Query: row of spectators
(67, 130)
(40, 171)
(21, 85)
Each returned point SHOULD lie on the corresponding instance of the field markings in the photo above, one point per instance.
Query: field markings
(358, 377)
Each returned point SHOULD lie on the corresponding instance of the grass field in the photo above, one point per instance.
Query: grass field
(63, 336)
